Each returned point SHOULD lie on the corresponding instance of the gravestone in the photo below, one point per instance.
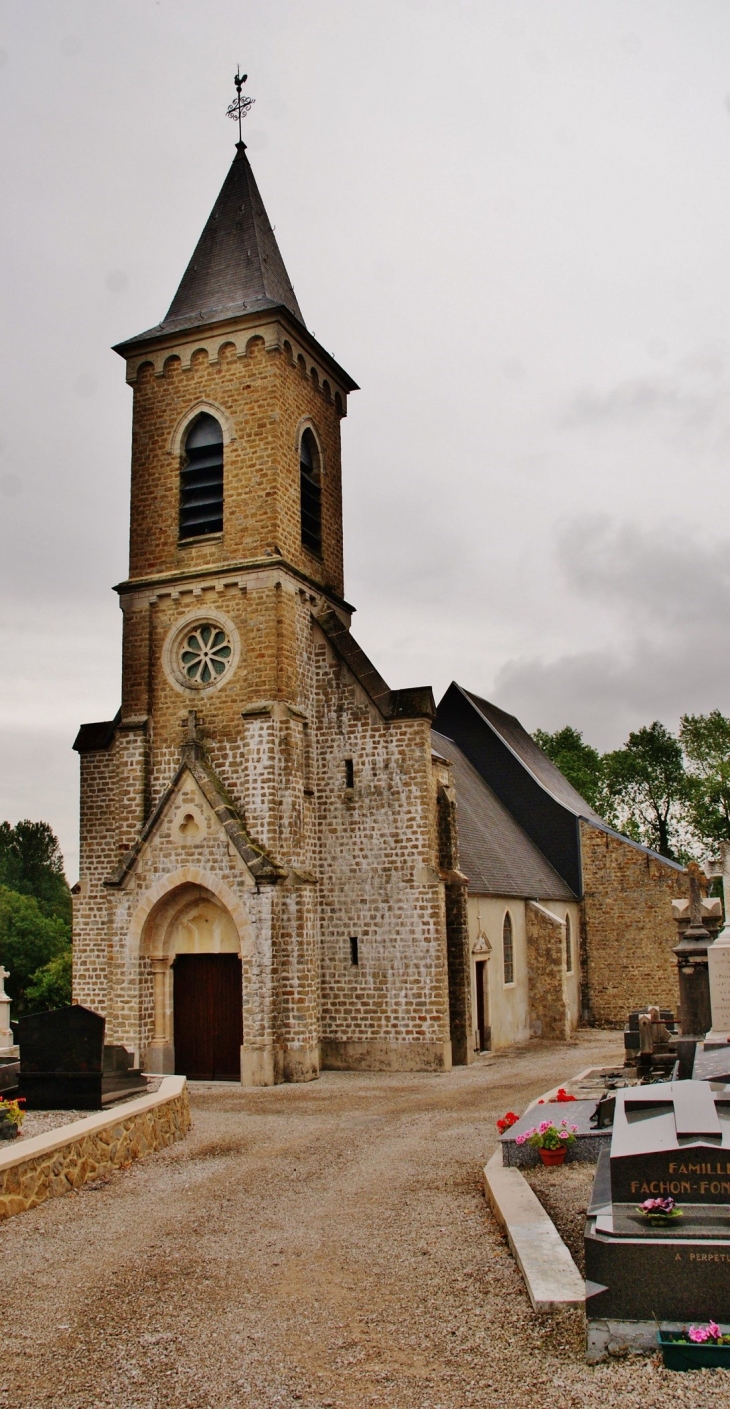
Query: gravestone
(670, 1139)
(7, 1040)
(718, 958)
(64, 1064)
(692, 962)
(650, 1042)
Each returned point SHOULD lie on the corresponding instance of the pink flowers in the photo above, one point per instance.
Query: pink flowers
(547, 1136)
(658, 1205)
(710, 1332)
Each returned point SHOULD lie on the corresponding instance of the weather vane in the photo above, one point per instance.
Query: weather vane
(241, 103)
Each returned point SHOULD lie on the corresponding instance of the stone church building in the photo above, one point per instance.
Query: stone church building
(286, 865)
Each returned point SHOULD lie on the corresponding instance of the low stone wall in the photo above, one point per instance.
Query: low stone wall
(65, 1158)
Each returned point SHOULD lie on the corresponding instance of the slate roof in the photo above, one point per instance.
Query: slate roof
(236, 268)
(531, 755)
(494, 852)
(91, 738)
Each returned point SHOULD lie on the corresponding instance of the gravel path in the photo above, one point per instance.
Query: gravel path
(326, 1245)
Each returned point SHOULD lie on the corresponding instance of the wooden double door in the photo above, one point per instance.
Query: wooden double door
(208, 1009)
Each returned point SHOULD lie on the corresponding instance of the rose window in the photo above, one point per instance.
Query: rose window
(205, 654)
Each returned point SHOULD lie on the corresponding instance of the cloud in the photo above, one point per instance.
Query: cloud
(693, 395)
(664, 578)
(666, 595)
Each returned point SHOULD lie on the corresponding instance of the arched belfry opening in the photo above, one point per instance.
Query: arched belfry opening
(201, 479)
(310, 483)
(191, 949)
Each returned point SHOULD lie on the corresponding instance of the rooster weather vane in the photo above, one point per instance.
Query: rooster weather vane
(241, 103)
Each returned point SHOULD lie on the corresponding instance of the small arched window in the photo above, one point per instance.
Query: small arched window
(568, 946)
(310, 479)
(201, 479)
(508, 949)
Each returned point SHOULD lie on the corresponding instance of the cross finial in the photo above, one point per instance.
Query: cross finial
(241, 103)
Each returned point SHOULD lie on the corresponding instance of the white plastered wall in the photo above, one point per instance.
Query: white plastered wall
(509, 1008)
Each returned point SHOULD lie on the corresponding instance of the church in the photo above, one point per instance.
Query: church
(285, 864)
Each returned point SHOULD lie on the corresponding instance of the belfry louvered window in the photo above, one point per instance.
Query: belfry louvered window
(508, 949)
(201, 479)
(311, 493)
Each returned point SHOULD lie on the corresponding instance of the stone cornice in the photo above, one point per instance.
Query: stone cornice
(227, 575)
(279, 330)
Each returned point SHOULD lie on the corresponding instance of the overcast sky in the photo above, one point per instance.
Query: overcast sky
(508, 221)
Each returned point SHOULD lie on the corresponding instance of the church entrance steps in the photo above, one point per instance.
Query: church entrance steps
(69, 1156)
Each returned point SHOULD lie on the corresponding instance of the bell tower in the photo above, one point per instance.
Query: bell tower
(235, 484)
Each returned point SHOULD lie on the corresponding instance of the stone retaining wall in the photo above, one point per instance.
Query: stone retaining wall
(65, 1158)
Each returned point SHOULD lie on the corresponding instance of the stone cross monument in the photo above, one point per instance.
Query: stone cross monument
(7, 1047)
(718, 958)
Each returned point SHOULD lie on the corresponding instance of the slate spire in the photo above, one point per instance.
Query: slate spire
(236, 267)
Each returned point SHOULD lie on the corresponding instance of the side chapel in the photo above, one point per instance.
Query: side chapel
(283, 866)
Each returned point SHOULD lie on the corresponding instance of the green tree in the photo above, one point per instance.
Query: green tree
(578, 762)
(29, 940)
(31, 864)
(50, 987)
(705, 739)
(648, 790)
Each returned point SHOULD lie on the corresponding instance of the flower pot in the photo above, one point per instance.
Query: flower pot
(8, 1130)
(684, 1355)
(553, 1156)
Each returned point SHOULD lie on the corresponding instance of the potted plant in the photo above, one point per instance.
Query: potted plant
(659, 1211)
(507, 1121)
(695, 1347)
(12, 1116)
(551, 1141)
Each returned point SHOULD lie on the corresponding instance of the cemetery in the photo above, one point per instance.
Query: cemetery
(649, 1147)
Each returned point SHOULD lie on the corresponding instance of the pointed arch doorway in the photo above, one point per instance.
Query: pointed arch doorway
(194, 950)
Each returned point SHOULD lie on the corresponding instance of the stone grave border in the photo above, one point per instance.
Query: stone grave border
(551, 1276)
(553, 1282)
(66, 1158)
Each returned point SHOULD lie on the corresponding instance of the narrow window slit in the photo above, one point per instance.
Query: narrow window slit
(354, 951)
(349, 773)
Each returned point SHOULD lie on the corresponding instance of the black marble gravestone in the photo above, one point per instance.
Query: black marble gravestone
(668, 1140)
(64, 1064)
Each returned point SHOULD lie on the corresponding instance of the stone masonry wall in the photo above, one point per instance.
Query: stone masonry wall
(378, 882)
(549, 1006)
(629, 930)
(94, 1155)
(99, 855)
